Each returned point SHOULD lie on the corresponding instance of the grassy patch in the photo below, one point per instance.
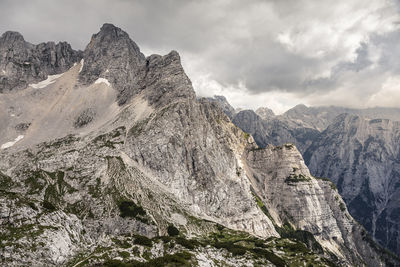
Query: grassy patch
(305, 237)
(178, 259)
(295, 178)
(172, 230)
(130, 209)
(142, 240)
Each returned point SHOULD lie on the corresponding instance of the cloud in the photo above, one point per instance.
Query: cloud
(316, 52)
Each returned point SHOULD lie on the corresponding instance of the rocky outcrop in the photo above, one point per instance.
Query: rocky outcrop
(22, 63)
(143, 171)
(112, 55)
(361, 156)
(273, 130)
(283, 181)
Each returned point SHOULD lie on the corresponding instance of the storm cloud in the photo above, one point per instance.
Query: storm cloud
(256, 52)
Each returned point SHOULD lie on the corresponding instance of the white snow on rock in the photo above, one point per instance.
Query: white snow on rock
(82, 61)
(50, 79)
(103, 80)
(10, 144)
(4, 72)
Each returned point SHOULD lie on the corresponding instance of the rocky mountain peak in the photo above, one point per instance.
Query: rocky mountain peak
(11, 37)
(265, 113)
(109, 40)
(112, 55)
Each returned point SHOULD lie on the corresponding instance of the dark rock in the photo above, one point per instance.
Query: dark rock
(22, 63)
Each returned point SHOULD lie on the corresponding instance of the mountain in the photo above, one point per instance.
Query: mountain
(22, 63)
(115, 162)
(362, 157)
(357, 150)
(274, 130)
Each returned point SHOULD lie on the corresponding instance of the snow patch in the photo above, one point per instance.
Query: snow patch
(103, 80)
(82, 61)
(10, 144)
(74, 64)
(50, 79)
(107, 71)
(4, 72)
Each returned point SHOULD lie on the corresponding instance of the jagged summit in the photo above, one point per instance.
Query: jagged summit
(113, 55)
(22, 63)
(265, 113)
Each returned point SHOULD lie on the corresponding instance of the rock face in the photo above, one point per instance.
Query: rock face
(133, 168)
(310, 204)
(22, 63)
(360, 154)
(362, 157)
(274, 130)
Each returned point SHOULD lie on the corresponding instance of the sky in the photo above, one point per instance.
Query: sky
(257, 53)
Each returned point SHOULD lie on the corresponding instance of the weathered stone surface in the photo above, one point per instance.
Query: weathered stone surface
(22, 63)
(361, 156)
(358, 153)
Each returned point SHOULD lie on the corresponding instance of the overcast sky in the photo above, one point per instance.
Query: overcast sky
(255, 52)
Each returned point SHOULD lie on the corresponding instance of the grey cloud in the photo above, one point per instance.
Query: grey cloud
(232, 41)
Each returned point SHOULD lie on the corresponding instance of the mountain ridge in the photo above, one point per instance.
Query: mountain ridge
(358, 153)
(159, 176)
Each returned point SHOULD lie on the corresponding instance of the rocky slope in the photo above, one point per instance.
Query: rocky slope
(124, 164)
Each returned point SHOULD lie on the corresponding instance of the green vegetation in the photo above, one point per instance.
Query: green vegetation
(261, 205)
(130, 209)
(174, 260)
(342, 206)
(295, 178)
(5, 181)
(106, 140)
(138, 128)
(332, 185)
(124, 254)
(172, 230)
(48, 205)
(289, 146)
(95, 190)
(238, 171)
(305, 237)
(187, 243)
(246, 135)
(142, 240)
(35, 182)
(9, 234)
